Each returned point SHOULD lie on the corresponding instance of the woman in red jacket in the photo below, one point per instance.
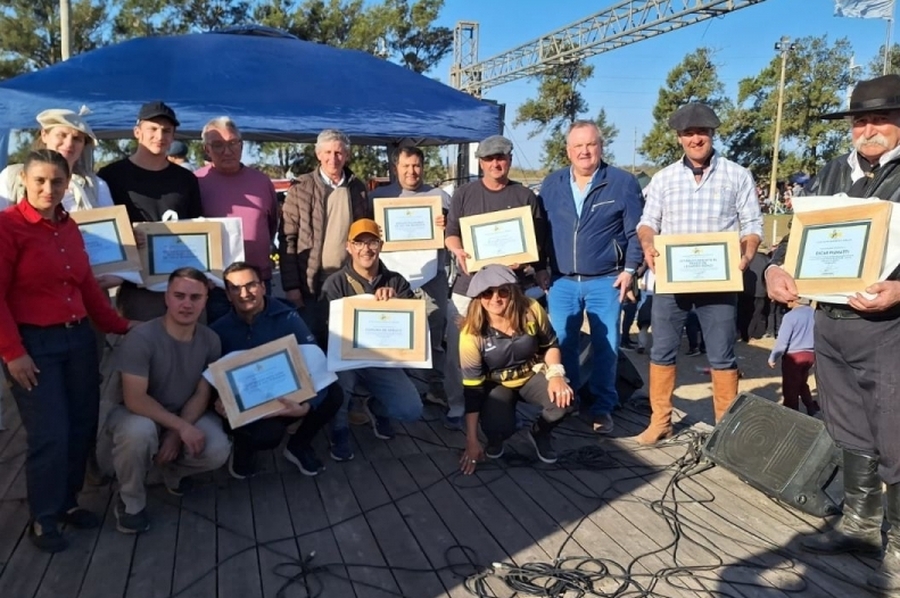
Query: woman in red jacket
(47, 294)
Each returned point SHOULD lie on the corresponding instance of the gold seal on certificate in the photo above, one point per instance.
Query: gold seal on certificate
(505, 237)
(384, 330)
(698, 263)
(173, 245)
(108, 239)
(251, 382)
(838, 250)
(407, 223)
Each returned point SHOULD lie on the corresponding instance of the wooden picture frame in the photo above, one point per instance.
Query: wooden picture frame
(403, 222)
(488, 237)
(384, 322)
(838, 250)
(699, 263)
(272, 371)
(201, 248)
(108, 239)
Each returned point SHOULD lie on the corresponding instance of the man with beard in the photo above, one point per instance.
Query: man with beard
(855, 344)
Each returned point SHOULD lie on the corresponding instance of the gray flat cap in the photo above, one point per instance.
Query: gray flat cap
(495, 145)
(492, 275)
(694, 115)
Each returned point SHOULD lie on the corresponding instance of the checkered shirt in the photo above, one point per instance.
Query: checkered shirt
(724, 200)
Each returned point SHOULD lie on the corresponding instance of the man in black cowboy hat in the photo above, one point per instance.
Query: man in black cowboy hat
(855, 344)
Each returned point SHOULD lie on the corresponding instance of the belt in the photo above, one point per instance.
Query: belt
(837, 311)
(72, 324)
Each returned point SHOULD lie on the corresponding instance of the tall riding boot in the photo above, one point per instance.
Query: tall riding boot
(859, 530)
(662, 385)
(725, 390)
(887, 576)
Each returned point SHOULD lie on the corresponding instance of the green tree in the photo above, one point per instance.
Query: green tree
(694, 79)
(876, 65)
(816, 81)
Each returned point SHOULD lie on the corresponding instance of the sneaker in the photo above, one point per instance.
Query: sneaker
(340, 445)
(128, 523)
(357, 418)
(543, 445)
(494, 451)
(436, 395)
(184, 486)
(305, 459)
(49, 540)
(382, 428)
(453, 422)
(603, 424)
(693, 352)
(241, 464)
(627, 345)
(80, 518)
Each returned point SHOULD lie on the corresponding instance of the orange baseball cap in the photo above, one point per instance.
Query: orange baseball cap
(363, 226)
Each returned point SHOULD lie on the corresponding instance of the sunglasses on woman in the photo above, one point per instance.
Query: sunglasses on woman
(502, 292)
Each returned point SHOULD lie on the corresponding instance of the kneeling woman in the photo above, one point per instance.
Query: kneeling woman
(504, 336)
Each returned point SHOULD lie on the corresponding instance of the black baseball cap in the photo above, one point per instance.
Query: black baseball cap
(156, 110)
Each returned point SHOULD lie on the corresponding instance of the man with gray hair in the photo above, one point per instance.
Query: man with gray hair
(316, 218)
(592, 213)
(230, 189)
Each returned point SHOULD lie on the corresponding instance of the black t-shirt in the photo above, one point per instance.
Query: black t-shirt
(148, 194)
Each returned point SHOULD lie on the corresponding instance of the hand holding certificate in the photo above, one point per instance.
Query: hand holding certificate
(408, 223)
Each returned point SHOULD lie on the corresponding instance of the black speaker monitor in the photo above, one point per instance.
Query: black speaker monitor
(784, 453)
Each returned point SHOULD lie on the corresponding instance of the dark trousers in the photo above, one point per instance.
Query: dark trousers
(315, 315)
(694, 332)
(794, 379)
(716, 315)
(857, 379)
(59, 415)
(498, 412)
(759, 319)
(629, 311)
(266, 434)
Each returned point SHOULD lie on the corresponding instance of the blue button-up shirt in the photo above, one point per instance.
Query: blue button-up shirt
(578, 194)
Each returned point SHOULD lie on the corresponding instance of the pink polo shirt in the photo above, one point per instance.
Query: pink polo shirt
(249, 195)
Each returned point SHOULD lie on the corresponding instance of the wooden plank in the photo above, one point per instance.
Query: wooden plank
(195, 553)
(238, 572)
(369, 448)
(107, 573)
(354, 538)
(24, 571)
(424, 437)
(274, 532)
(13, 518)
(12, 464)
(154, 551)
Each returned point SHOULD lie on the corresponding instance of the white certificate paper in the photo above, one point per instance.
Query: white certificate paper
(102, 242)
(504, 237)
(692, 263)
(170, 252)
(408, 224)
(262, 381)
(833, 251)
(383, 330)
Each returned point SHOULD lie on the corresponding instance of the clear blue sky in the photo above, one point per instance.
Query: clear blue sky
(627, 80)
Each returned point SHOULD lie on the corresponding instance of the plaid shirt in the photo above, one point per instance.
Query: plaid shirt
(724, 200)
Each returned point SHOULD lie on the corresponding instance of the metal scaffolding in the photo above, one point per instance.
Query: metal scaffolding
(624, 23)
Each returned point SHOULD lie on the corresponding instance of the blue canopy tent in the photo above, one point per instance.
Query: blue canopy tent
(275, 86)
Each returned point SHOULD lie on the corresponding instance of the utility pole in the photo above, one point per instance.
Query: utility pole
(65, 26)
(784, 46)
(634, 153)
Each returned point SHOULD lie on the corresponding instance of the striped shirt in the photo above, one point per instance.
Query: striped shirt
(724, 200)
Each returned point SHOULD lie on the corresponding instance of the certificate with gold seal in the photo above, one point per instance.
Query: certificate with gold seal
(698, 263)
(407, 223)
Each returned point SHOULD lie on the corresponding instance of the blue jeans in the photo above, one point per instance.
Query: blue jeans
(59, 415)
(717, 313)
(569, 298)
(393, 394)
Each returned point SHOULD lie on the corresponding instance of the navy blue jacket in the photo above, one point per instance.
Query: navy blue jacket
(604, 240)
(276, 320)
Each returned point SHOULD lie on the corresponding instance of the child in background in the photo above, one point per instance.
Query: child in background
(795, 347)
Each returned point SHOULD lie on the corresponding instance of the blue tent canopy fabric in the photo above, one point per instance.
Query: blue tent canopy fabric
(275, 87)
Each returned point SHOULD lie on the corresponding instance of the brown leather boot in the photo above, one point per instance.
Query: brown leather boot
(725, 390)
(662, 385)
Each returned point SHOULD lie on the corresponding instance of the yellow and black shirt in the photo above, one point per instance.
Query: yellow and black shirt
(504, 359)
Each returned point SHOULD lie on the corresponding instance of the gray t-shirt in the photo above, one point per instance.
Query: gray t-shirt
(173, 368)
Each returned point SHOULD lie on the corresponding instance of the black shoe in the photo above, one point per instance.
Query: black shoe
(80, 518)
(627, 345)
(494, 450)
(693, 352)
(49, 540)
(305, 459)
(185, 485)
(543, 445)
(837, 542)
(241, 464)
(128, 523)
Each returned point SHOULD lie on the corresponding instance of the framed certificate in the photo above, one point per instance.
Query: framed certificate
(505, 237)
(699, 263)
(251, 382)
(407, 223)
(108, 239)
(393, 330)
(838, 250)
(173, 245)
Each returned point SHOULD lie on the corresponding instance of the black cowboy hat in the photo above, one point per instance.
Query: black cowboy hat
(881, 94)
